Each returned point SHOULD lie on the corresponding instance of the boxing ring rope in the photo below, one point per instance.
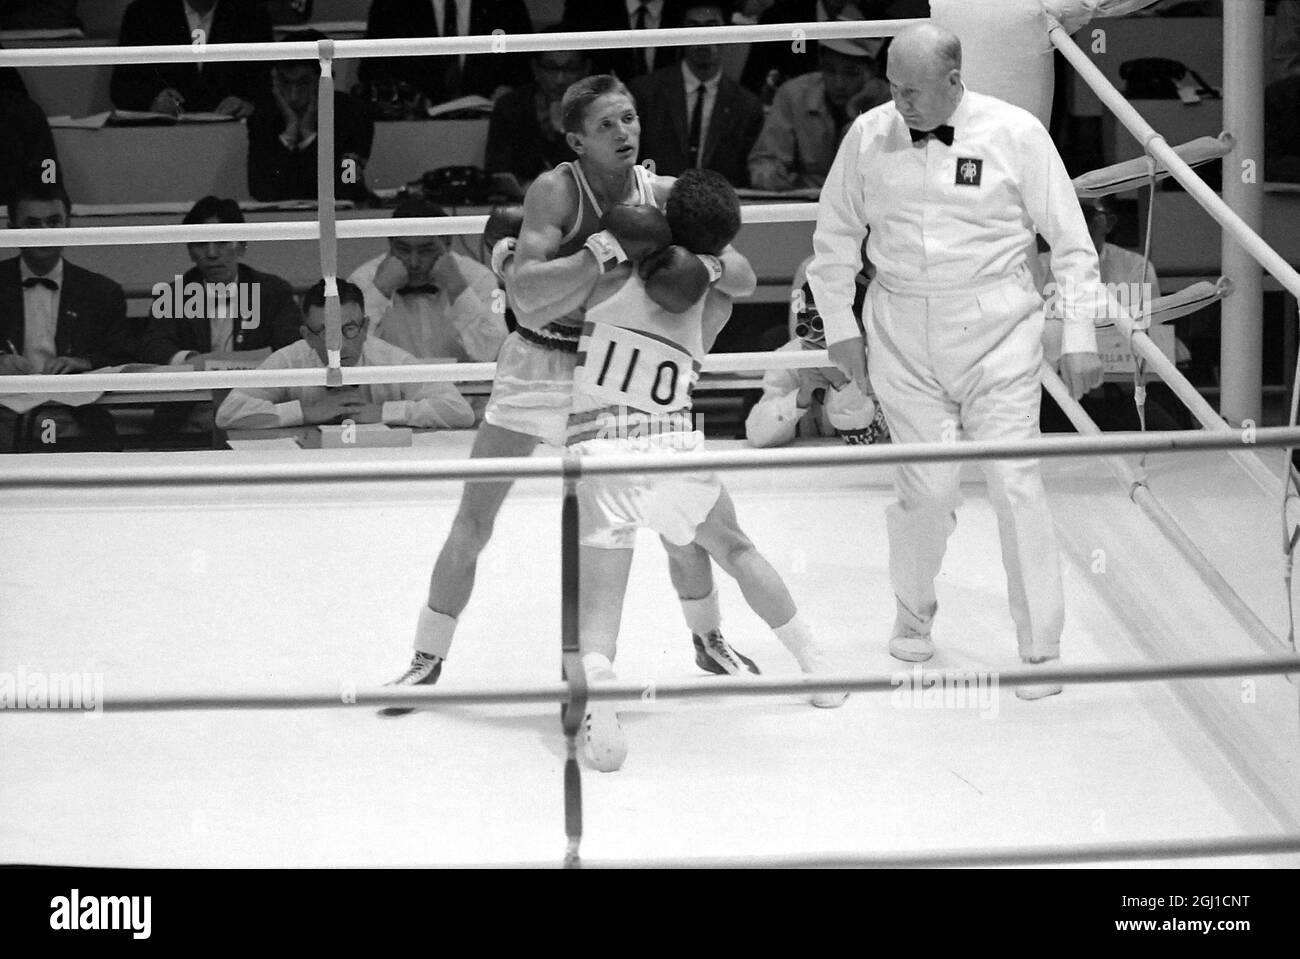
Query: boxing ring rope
(1141, 494)
(504, 468)
(573, 691)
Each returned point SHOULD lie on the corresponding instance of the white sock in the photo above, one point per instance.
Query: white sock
(595, 663)
(795, 636)
(434, 632)
(702, 615)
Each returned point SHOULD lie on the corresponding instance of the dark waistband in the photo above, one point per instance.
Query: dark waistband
(552, 337)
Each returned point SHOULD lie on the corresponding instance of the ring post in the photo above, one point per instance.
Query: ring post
(571, 669)
(1241, 349)
(329, 253)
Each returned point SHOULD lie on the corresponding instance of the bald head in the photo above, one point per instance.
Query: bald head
(928, 46)
(925, 75)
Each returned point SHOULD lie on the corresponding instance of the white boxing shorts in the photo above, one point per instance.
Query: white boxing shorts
(533, 389)
(612, 508)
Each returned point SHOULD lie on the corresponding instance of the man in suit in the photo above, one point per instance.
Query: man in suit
(448, 77)
(788, 61)
(694, 116)
(231, 88)
(282, 144)
(57, 318)
(240, 308)
(627, 62)
(526, 132)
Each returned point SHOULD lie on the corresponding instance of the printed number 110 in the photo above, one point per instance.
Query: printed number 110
(667, 367)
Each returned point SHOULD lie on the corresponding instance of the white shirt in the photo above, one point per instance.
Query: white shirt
(425, 405)
(653, 19)
(462, 19)
(710, 98)
(200, 21)
(40, 317)
(433, 326)
(947, 218)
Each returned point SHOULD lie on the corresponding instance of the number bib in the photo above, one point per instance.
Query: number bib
(622, 367)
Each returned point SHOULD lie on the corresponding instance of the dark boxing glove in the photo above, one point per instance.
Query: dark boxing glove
(675, 278)
(503, 226)
(629, 232)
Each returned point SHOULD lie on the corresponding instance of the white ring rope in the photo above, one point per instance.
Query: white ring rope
(730, 686)
(976, 856)
(20, 474)
(348, 229)
(162, 380)
(496, 43)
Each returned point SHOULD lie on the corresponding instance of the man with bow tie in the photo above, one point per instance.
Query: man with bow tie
(56, 317)
(431, 301)
(949, 187)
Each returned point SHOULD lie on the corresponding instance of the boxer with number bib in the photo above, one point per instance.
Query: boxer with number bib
(638, 358)
(574, 229)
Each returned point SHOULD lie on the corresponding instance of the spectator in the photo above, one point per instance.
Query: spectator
(627, 62)
(694, 116)
(427, 405)
(1286, 38)
(1135, 283)
(193, 87)
(39, 15)
(810, 114)
(525, 135)
(448, 77)
(1282, 130)
(26, 144)
(787, 61)
(428, 299)
(282, 144)
(241, 308)
(56, 317)
(813, 401)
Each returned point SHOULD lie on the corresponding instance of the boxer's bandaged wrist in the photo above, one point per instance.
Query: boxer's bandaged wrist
(609, 253)
(501, 254)
(713, 265)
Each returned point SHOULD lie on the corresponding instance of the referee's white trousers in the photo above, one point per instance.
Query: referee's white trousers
(964, 363)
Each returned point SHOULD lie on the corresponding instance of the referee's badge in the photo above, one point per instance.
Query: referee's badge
(969, 171)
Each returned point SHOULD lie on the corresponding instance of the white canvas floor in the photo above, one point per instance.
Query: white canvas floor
(304, 587)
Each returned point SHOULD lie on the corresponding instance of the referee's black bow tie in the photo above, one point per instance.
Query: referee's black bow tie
(44, 281)
(421, 288)
(943, 133)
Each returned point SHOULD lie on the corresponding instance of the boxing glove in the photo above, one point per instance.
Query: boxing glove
(629, 232)
(675, 279)
(499, 234)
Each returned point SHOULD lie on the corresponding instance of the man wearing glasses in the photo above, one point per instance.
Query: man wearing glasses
(423, 405)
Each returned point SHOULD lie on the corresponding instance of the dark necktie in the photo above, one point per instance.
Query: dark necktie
(697, 128)
(429, 288)
(642, 55)
(943, 134)
(450, 28)
(44, 281)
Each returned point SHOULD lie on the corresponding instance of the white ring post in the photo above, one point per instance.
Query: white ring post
(1241, 349)
(329, 252)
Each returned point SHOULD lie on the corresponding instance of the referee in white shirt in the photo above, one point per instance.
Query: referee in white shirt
(952, 186)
